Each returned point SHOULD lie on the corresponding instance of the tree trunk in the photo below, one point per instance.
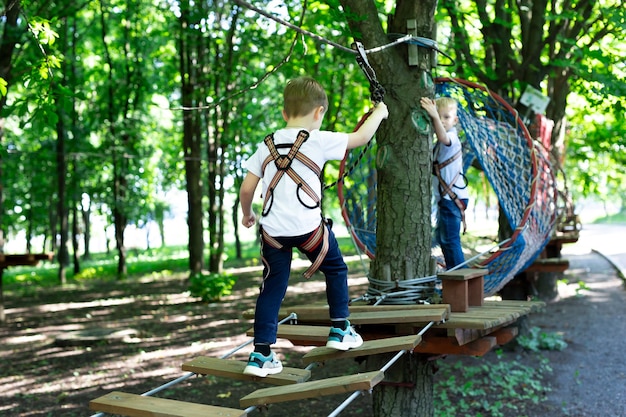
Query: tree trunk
(404, 183)
(86, 216)
(63, 254)
(191, 142)
(407, 389)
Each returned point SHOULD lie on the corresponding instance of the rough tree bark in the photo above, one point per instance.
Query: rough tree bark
(404, 184)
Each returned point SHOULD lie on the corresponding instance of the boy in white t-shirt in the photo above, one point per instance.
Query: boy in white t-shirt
(449, 183)
(292, 217)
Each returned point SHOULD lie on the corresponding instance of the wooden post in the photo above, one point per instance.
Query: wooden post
(463, 288)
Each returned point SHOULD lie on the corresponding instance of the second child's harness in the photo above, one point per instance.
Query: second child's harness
(445, 188)
(284, 166)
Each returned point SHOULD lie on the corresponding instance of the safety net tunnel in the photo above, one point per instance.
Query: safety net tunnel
(516, 166)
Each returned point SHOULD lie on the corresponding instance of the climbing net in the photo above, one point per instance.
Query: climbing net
(517, 168)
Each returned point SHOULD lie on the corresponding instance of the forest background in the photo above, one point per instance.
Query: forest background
(120, 110)
(125, 110)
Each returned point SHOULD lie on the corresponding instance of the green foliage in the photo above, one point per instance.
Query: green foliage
(3, 87)
(488, 388)
(537, 340)
(211, 287)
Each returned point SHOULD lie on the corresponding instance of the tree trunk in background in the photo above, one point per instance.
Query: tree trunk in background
(192, 139)
(404, 185)
(9, 39)
(62, 213)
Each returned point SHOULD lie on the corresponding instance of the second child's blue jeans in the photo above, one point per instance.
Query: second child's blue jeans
(276, 272)
(448, 232)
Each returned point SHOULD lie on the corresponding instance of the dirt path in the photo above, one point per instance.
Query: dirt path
(589, 377)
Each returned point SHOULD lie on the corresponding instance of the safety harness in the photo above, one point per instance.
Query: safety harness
(283, 165)
(446, 189)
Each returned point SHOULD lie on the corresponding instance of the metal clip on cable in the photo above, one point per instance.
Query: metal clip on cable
(377, 91)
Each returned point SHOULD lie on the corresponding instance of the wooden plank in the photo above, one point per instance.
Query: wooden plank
(133, 405)
(463, 274)
(534, 306)
(465, 322)
(234, 370)
(318, 313)
(301, 335)
(423, 316)
(548, 265)
(505, 335)
(371, 347)
(465, 336)
(313, 389)
(492, 314)
(448, 346)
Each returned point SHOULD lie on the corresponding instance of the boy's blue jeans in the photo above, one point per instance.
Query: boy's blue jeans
(448, 232)
(277, 264)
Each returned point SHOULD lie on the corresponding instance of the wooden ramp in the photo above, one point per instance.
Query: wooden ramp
(234, 369)
(312, 389)
(132, 405)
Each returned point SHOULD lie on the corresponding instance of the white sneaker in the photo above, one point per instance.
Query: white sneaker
(343, 339)
(260, 365)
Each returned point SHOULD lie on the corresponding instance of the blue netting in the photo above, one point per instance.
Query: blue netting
(517, 168)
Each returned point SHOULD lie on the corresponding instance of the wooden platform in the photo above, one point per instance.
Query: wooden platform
(492, 315)
(312, 389)
(369, 314)
(548, 265)
(132, 405)
(233, 369)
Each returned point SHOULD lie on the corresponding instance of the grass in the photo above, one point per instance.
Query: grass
(140, 263)
(617, 218)
(489, 388)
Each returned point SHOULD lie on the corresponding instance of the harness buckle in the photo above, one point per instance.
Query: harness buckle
(283, 162)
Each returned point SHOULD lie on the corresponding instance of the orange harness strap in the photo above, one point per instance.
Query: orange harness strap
(283, 165)
(319, 236)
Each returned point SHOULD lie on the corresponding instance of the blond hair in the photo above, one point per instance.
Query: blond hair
(446, 102)
(302, 95)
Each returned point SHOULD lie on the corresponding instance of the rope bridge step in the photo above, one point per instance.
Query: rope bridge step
(313, 389)
(133, 405)
(233, 369)
(371, 347)
(300, 335)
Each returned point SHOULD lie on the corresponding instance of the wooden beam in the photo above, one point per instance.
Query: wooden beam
(313, 389)
(233, 369)
(371, 347)
(548, 265)
(133, 405)
(448, 346)
(369, 314)
(300, 335)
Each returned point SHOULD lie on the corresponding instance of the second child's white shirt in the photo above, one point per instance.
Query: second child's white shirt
(449, 172)
(287, 215)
